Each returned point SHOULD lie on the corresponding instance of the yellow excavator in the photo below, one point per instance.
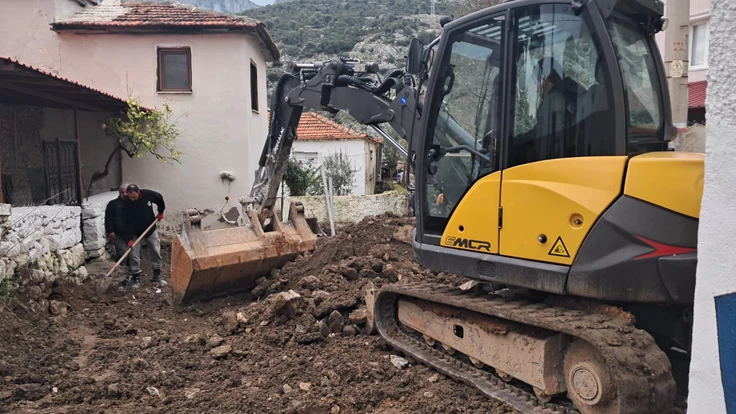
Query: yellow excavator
(539, 135)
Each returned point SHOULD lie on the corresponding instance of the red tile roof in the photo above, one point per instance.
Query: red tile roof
(696, 92)
(162, 17)
(315, 127)
(85, 94)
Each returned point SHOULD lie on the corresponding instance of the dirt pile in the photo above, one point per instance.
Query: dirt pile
(296, 344)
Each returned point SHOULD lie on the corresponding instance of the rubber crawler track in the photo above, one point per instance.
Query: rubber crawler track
(640, 368)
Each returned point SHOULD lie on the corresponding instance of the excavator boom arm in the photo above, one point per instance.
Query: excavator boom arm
(333, 86)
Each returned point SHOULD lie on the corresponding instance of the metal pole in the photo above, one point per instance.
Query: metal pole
(327, 197)
(59, 181)
(676, 61)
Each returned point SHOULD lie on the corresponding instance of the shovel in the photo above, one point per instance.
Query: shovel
(103, 284)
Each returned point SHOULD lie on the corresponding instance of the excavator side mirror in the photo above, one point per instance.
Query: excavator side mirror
(414, 59)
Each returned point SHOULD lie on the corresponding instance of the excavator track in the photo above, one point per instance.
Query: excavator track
(641, 371)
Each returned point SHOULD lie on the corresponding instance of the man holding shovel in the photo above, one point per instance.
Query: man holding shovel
(139, 215)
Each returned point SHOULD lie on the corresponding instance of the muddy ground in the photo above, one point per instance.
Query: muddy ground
(65, 349)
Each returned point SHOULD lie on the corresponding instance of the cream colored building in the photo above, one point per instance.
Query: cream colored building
(209, 67)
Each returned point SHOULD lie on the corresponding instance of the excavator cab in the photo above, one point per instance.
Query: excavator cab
(543, 174)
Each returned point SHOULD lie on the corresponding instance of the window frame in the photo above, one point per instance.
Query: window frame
(160, 53)
(691, 30)
(254, 96)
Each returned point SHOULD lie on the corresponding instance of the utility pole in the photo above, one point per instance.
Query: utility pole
(676, 62)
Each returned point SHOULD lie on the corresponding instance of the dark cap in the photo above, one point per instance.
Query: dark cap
(134, 188)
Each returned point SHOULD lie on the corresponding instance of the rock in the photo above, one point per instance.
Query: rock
(300, 329)
(146, 342)
(82, 272)
(348, 272)
(399, 362)
(335, 409)
(192, 339)
(349, 331)
(57, 308)
(428, 394)
(220, 351)
(34, 293)
(309, 338)
(73, 366)
(434, 378)
(286, 303)
(153, 391)
(310, 282)
(214, 341)
(336, 322)
(242, 320)
(230, 322)
(358, 316)
(287, 389)
(322, 328)
(305, 386)
(468, 285)
(190, 393)
(113, 390)
(369, 293)
(390, 272)
(320, 296)
(30, 392)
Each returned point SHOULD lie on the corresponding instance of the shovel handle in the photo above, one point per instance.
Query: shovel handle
(131, 248)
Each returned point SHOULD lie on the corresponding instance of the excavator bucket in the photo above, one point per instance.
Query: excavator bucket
(212, 263)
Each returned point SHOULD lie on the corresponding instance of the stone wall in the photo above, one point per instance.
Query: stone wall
(93, 225)
(44, 240)
(352, 209)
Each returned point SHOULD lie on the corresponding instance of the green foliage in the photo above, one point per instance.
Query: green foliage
(7, 288)
(338, 167)
(307, 28)
(302, 178)
(141, 131)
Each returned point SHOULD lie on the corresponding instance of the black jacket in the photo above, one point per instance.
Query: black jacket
(139, 214)
(114, 222)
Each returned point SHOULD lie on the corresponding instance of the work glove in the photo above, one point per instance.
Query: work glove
(130, 243)
(160, 217)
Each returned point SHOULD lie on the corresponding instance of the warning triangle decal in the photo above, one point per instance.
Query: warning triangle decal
(559, 249)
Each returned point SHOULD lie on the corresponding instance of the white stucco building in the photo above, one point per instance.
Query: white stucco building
(209, 67)
(712, 387)
(318, 137)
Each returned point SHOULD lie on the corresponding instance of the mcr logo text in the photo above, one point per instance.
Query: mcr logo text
(468, 243)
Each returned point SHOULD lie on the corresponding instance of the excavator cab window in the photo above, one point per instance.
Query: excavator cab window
(469, 115)
(561, 103)
(645, 119)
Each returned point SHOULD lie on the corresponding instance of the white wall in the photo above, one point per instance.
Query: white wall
(355, 149)
(716, 260)
(220, 130)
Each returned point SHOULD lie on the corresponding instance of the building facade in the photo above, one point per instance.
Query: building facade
(208, 67)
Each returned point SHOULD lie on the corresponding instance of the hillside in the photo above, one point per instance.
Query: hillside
(375, 30)
(226, 6)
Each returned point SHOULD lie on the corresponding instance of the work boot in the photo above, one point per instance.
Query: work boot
(157, 277)
(136, 281)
